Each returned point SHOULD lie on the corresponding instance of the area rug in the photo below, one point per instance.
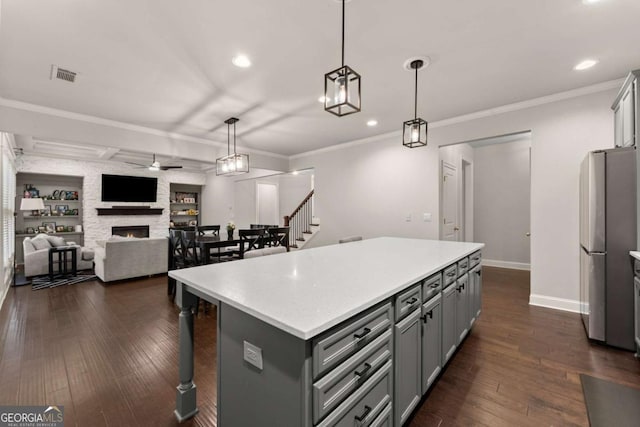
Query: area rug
(43, 282)
(610, 404)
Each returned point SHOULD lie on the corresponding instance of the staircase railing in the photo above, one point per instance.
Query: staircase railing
(299, 222)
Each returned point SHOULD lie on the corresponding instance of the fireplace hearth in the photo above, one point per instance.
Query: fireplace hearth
(131, 231)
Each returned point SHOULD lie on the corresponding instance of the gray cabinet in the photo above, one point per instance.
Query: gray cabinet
(625, 109)
(475, 295)
(462, 307)
(478, 291)
(636, 302)
(431, 341)
(408, 366)
(449, 337)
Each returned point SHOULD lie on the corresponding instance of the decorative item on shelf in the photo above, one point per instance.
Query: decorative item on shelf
(78, 228)
(55, 195)
(61, 228)
(193, 222)
(232, 164)
(46, 211)
(42, 229)
(342, 86)
(192, 212)
(414, 132)
(189, 200)
(30, 230)
(49, 227)
(62, 209)
(73, 211)
(33, 204)
(230, 227)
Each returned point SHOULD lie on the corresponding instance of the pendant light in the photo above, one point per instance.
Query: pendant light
(342, 86)
(414, 132)
(232, 164)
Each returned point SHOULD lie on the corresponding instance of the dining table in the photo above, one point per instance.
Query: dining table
(209, 241)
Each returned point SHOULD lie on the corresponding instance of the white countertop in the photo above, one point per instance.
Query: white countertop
(635, 254)
(307, 292)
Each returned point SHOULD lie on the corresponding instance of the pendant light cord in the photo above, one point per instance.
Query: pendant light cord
(228, 139)
(343, 1)
(234, 138)
(415, 107)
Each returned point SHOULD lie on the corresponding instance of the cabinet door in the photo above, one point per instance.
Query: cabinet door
(636, 282)
(449, 338)
(407, 383)
(478, 292)
(628, 115)
(472, 296)
(431, 341)
(462, 307)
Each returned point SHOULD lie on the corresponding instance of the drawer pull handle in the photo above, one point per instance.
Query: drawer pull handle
(412, 301)
(434, 285)
(364, 333)
(364, 371)
(451, 274)
(479, 272)
(460, 288)
(362, 416)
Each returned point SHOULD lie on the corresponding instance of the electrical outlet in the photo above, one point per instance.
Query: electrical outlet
(407, 217)
(426, 217)
(253, 355)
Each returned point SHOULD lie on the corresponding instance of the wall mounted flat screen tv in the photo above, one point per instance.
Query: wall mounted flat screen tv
(121, 188)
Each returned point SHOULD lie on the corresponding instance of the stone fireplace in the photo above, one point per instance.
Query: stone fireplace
(131, 231)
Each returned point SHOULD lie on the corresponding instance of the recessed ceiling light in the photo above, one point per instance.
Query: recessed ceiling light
(372, 122)
(586, 64)
(241, 61)
(590, 1)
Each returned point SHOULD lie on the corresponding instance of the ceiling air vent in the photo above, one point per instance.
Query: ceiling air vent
(62, 74)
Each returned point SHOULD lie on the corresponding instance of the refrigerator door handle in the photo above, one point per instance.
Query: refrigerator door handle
(592, 293)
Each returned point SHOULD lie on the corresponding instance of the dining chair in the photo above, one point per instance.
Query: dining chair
(176, 257)
(279, 236)
(190, 248)
(251, 239)
(213, 230)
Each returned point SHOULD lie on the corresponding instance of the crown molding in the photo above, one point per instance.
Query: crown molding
(25, 106)
(535, 102)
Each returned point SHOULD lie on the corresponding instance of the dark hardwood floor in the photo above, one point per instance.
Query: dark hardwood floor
(109, 355)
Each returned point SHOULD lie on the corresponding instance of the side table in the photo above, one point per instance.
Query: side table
(62, 252)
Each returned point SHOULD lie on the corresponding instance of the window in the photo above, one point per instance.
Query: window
(8, 188)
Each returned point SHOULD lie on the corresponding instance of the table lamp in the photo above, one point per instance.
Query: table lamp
(34, 204)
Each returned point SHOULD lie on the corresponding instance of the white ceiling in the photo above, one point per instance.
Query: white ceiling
(167, 65)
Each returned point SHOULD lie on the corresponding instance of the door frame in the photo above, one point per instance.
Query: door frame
(277, 186)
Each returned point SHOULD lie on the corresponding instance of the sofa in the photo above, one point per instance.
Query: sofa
(121, 258)
(36, 254)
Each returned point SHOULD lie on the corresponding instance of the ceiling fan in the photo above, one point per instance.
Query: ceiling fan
(155, 165)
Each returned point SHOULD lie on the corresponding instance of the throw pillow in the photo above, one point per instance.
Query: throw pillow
(42, 243)
(56, 241)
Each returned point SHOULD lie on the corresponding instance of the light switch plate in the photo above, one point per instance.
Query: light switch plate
(253, 354)
(408, 217)
(426, 217)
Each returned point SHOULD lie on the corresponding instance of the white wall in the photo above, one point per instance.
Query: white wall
(99, 227)
(368, 187)
(502, 202)
(293, 190)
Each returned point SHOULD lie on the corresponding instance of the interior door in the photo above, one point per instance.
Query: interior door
(450, 228)
(267, 203)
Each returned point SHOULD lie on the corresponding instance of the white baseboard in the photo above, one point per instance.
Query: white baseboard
(556, 303)
(506, 264)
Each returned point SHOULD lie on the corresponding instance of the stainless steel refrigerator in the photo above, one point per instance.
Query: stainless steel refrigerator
(608, 222)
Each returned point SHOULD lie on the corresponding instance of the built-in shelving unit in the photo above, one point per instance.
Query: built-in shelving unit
(184, 204)
(62, 198)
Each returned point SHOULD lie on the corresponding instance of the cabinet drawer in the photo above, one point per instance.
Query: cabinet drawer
(636, 267)
(385, 419)
(334, 346)
(408, 301)
(338, 384)
(431, 287)
(474, 259)
(450, 274)
(463, 266)
(365, 405)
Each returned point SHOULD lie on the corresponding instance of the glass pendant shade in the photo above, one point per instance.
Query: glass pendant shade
(342, 91)
(233, 163)
(414, 133)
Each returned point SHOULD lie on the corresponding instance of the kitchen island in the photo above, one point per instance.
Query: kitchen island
(308, 338)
